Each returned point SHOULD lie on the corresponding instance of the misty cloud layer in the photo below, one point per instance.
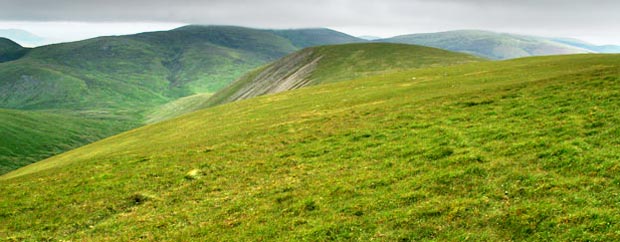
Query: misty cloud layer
(596, 18)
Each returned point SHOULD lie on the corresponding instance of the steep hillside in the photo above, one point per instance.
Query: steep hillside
(487, 44)
(327, 64)
(144, 69)
(10, 50)
(131, 76)
(30, 136)
(494, 151)
(177, 108)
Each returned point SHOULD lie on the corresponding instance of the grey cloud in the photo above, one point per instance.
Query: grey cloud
(555, 17)
(163, 11)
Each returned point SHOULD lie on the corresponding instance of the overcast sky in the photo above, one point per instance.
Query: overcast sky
(596, 21)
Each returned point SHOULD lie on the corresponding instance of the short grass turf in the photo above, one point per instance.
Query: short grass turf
(525, 149)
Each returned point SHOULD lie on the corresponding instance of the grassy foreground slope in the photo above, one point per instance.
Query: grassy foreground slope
(490, 45)
(177, 108)
(334, 63)
(515, 150)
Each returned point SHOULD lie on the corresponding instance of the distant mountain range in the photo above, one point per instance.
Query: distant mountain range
(500, 46)
(588, 46)
(488, 44)
(143, 69)
(121, 79)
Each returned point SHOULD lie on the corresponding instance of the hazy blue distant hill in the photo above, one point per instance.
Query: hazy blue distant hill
(489, 44)
(589, 46)
(23, 37)
(369, 37)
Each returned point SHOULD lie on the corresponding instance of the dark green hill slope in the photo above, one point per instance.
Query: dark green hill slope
(302, 38)
(494, 151)
(335, 63)
(9, 50)
(489, 44)
(129, 76)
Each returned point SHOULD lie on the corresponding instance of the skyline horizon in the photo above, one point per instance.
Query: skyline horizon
(594, 21)
(50, 35)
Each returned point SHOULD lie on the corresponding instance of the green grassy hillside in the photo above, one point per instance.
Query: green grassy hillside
(177, 108)
(143, 70)
(30, 136)
(498, 151)
(137, 77)
(490, 45)
(335, 63)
